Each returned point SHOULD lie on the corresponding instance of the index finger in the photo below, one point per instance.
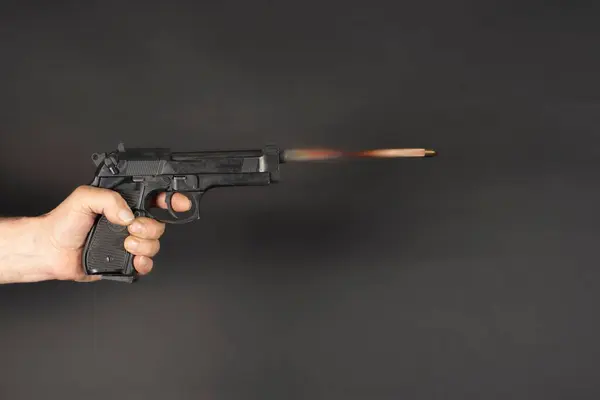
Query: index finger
(179, 202)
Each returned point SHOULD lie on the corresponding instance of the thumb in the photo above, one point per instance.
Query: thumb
(92, 200)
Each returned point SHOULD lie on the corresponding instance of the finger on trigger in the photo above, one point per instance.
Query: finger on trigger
(179, 202)
(147, 228)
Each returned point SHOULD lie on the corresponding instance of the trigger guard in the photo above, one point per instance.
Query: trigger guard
(194, 198)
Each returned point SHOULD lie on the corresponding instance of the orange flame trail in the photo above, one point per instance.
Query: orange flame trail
(395, 153)
(329, 154)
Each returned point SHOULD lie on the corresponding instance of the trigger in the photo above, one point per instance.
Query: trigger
(168, 200)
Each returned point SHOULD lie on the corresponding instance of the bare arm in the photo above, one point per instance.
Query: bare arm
(50, 246)
(21, 251)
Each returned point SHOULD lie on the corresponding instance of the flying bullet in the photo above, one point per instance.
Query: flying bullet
(396, 153)
(291, 155)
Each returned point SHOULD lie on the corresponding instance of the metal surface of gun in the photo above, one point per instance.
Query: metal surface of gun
(140, 174)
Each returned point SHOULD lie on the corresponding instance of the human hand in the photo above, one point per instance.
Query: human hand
(64, 230)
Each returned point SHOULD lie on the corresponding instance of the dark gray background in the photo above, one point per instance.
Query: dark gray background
(469, 276)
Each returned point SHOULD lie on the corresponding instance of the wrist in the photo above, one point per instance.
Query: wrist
(25, 253)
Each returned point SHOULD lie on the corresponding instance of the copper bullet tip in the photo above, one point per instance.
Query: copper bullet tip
(430, 153)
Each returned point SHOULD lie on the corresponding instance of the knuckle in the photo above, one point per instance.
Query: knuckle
(153, 228)
(154, 247)
(81, 191)
(157, 228)
(115, 197)
(129, 240)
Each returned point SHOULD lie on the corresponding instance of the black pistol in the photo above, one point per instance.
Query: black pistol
(140, 174)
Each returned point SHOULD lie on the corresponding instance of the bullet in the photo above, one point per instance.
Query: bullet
(330, 154)
(396, 153)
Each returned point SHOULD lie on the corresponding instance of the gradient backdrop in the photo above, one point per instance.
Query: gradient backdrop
(473, 275)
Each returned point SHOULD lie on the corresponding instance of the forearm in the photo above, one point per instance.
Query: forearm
(22, 257)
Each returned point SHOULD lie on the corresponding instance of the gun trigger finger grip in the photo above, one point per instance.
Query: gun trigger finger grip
(169, 201)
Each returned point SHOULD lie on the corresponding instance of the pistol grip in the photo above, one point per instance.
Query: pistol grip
(104, 253)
